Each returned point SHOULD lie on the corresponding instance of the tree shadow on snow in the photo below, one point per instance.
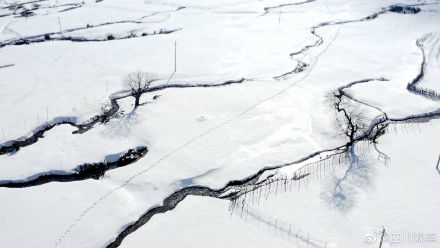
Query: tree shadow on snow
(342, 190)
(123, 124)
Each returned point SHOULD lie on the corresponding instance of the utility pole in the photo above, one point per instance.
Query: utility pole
(175, 62)
(381, 237)
(59, 24)
(279, 18)
(175, 56)
(438, 164)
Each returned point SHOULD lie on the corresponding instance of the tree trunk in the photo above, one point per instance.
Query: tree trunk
(136, 102)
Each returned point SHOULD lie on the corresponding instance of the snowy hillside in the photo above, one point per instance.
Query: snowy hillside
(219, 123)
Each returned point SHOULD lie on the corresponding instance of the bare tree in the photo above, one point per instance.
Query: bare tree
(349, 117)
(138, 83)
(350, 120)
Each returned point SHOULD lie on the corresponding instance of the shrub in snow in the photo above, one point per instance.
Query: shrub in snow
(404, 9)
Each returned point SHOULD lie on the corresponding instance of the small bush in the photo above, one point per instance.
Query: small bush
(404, 9)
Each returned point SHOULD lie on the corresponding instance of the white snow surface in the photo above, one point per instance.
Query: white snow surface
(376, 195)
(209, 136)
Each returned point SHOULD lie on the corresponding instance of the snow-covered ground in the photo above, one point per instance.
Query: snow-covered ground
(293, 57)
(374, 194)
